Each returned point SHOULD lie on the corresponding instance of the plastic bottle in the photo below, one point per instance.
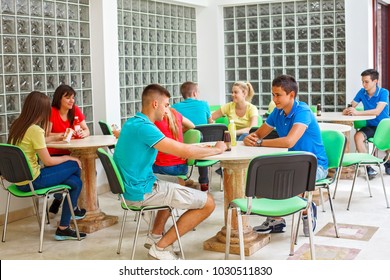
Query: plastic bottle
(319, 109)
(76, 127)
(228, 140)
(233, 133)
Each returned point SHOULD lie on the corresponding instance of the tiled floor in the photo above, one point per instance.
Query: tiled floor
(364, 230)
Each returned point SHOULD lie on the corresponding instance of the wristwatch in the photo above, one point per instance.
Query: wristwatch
(258, 142)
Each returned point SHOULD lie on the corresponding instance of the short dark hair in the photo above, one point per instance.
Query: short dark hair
(374, 75)
(187, 88)
(153, 89)
(287, 83)
(64, 90)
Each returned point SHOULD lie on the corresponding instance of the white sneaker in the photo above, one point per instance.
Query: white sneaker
(164, 254)
(151, 239)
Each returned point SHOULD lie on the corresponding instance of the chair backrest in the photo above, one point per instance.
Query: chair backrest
(281, 175)
(359, 124)
(259, 121)
(105, 128)
(113, 176)
(212, 132)
(214, 107)
(334, 143)
(14, 166)
(272, 135)
(253, 129)
(192, 136)
(382, 135)
(224, 120)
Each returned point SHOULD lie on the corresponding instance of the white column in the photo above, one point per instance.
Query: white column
(105, 62)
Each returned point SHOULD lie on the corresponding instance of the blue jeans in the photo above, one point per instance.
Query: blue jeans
(242, 136)
(174, 170)
(203, 175)
(66, 173)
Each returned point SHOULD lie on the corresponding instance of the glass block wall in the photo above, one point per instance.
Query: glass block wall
(305, 39)
(43, 44)
(157, 44)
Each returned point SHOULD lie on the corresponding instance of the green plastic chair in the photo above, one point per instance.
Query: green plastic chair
(14, 168)
(191, 136)
(214, 107)
(278, 179)
(207, 132)
(259, 121)
(381, 143)
(334, 143)
(359, 124)
(223, 120)
(117, 187)
(106, 130)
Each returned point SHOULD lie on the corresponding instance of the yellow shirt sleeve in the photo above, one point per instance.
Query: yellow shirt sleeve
(33, 140)
(229, 110)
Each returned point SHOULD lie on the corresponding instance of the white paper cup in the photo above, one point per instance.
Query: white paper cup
(68, 135)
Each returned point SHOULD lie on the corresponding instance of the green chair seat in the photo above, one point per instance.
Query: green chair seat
(14, 190)
(272, 208)
(205, 163)
(364, 158)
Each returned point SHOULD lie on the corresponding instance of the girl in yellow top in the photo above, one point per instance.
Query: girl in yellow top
(28, 132)
(244, 114)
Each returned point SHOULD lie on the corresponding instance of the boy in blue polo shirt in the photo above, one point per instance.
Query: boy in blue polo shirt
(135, 153)
(298, 130)
(375, 102)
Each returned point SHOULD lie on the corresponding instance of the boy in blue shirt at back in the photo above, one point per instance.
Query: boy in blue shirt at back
(375, 102)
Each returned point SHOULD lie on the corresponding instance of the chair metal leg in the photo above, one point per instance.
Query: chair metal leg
(297, 225)
(333, 214)
(240, 234)
(6, 216)
(177, 234)
(228, 232)
(72, 214)
(42, 223)
(337, 182)
(368, 182)
(35, 201)
(384, 189)
(294, 234)
(311, 238)
(118, 251)
(221, 181)
(353, 185)
(321, 199)
(136, 235)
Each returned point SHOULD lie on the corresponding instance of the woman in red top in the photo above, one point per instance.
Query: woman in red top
(172, 126)
(63, 112)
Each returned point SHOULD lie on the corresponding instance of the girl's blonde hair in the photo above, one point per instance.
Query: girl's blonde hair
(172, 123)
(247, 88)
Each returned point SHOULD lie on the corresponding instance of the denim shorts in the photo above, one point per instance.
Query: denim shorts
(174, 195)
(368, 131)
(321, 173)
